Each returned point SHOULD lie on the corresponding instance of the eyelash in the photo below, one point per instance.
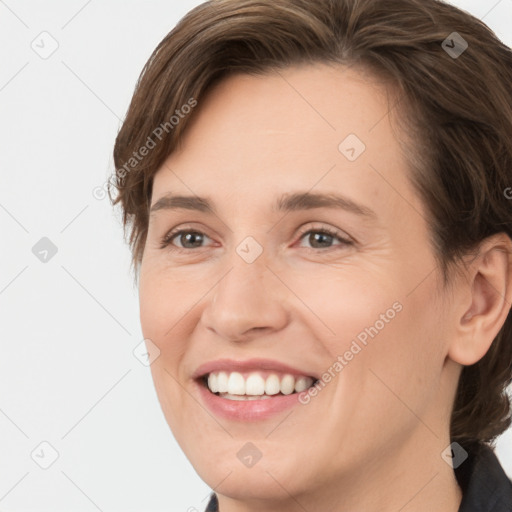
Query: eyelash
(166, 241)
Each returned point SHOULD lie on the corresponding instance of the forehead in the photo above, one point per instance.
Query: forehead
(304, 126)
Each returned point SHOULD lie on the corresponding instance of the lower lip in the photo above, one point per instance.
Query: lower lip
(246, 410)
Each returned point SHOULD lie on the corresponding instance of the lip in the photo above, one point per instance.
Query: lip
(246, 410)
(255, 364)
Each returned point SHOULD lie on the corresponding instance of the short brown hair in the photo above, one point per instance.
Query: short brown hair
(458, 106)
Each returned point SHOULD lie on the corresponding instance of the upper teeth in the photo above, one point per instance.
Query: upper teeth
(254, 383)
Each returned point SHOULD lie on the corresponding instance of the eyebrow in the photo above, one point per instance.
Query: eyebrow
(286, 203)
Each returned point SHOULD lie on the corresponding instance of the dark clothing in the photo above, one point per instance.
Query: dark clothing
(213, 505)
(484, 484)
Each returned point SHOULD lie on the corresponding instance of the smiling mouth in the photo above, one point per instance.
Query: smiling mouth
(255, 385)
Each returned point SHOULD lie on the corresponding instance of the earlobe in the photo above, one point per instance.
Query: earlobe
(490, 282)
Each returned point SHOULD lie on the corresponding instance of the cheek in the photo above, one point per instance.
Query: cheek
(399, 369)
(165, 301)
(345, 305)
(163, 308)
(389, 337)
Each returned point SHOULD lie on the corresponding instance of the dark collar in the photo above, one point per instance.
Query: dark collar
(485, 486)
(213, 504)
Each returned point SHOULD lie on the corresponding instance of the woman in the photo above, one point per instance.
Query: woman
(317, 200)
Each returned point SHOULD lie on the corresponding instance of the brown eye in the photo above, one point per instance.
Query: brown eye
(188, 239)
(323, 238)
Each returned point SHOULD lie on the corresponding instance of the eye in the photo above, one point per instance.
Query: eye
(322, 238)
(189, 239)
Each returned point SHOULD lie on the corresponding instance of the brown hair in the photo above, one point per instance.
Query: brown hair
(457, 106)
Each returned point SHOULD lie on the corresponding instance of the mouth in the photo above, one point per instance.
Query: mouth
(255, 385)
(251, 390)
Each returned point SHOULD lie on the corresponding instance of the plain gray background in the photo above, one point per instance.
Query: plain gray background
(69, 326)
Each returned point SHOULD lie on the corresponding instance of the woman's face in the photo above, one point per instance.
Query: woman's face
(278, 283)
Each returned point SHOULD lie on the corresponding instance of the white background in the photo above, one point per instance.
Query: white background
(68, 327)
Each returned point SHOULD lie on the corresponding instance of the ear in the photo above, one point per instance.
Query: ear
(488, 291)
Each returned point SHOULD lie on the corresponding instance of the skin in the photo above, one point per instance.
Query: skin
(372, 439)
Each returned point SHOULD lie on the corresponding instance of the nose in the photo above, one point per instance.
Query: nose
(248, 301)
